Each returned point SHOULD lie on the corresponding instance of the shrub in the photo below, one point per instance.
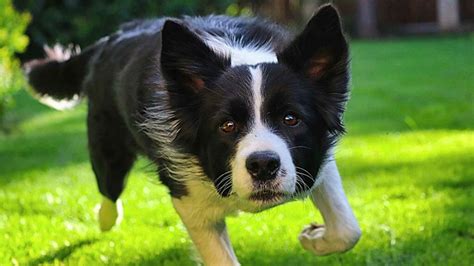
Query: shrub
(83, 22)
(12, 40)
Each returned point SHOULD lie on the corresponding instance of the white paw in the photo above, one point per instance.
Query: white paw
(316, 239)
(109, 214)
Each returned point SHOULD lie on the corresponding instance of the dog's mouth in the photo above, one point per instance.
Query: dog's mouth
(268, 192)
(267, 196)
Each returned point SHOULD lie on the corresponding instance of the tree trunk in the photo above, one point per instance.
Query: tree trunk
(366, 19)
(308, 7)
(448, 14)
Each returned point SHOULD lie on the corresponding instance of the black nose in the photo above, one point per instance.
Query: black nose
(263, 165)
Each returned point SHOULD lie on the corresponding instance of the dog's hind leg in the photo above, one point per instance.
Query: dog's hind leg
(341, 230)
(112, 156)
(109, 213)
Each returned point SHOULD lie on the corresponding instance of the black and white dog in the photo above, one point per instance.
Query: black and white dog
(236, 113)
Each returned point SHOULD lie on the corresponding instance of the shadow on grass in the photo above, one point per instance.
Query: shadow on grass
(48, 141)
(29, 210)
(63, 253)
(407, 250)
(41, 152)
(180, 255)
(25, 107)
(452, 243)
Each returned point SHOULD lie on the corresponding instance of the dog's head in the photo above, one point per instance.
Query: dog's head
(260, 130)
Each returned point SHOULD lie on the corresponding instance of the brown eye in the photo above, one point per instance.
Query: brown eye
(291, 120)
(228, 126)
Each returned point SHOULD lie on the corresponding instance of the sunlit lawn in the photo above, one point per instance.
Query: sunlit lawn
(407, 162)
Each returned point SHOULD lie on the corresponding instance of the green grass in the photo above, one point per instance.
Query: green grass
(407, 163)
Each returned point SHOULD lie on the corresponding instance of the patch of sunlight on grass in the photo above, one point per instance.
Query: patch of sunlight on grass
(397, 186)
(415, 146)
(406, 214)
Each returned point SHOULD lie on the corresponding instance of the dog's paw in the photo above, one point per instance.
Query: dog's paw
(109, 213)
(316, 239)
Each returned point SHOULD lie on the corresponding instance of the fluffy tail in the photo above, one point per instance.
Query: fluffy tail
(58, 78)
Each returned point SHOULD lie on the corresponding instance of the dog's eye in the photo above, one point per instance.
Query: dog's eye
(228, 126)
(291, 120)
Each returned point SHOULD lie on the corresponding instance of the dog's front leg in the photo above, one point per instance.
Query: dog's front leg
(208, 234)
(341, 230)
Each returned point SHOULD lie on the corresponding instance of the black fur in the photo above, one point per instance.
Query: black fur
(309, 141)
(60, 80)
(229, 98)
(322, 46)
(154, 76)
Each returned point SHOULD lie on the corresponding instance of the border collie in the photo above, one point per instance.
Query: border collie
(237, 114)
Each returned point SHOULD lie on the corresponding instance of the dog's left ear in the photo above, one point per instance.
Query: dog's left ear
(186, 60)
(320, 46)
(320, 53)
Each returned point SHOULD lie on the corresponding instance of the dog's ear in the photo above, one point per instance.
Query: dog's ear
(320, 53)
(320, 46)
(186, 61)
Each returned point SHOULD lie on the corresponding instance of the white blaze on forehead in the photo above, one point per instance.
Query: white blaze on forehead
(240, 54)
(260, 138)
(247, 56)
(256, 74)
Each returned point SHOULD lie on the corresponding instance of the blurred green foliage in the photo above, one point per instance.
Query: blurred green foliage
(12, 40)
(84, 21)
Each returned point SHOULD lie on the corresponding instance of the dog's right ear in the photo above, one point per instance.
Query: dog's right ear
(321, 54)
(186, 61)
(319, 48)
